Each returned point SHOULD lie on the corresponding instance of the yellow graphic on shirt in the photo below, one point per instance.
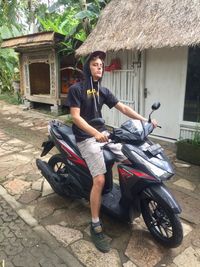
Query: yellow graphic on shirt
(92, 92)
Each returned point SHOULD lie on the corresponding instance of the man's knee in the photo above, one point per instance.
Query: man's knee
(99, 181)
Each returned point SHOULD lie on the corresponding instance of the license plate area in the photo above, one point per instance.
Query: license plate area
(155, 149)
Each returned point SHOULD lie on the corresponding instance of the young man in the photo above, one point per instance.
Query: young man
(85, 100)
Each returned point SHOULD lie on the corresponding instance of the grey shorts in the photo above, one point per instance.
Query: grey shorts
(93, 155)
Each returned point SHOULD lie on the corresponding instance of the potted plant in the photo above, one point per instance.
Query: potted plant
(189, 149)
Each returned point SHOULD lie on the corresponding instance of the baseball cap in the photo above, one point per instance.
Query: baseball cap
(100, 54)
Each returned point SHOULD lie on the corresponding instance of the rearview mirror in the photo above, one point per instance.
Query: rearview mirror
(155, 106)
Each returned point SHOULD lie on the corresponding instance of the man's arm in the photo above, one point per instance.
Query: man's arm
(126, 110)
(83, 125)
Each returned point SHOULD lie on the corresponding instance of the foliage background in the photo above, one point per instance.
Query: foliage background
(73, 18)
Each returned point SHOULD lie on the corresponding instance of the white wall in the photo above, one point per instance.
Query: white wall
(165, 79)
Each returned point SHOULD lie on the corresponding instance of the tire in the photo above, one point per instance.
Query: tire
(59, 167)
(163, 224)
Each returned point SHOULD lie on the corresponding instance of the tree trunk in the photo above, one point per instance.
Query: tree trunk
(86, 21)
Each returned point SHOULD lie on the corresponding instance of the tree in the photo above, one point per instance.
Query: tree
(16, 16)
(8, 28)
(73, 18)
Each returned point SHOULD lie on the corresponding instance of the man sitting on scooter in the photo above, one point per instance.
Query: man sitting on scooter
(85, 100)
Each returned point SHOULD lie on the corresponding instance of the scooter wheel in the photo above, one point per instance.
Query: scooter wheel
(163, 224)
(59, 167)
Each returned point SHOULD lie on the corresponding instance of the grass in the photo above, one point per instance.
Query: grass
(11, 98)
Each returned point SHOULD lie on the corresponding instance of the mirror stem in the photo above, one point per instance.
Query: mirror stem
(149, 120)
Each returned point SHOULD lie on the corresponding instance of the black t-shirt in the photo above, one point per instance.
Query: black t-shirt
(90, 102)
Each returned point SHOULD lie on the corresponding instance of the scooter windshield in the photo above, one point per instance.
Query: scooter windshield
(135, 127)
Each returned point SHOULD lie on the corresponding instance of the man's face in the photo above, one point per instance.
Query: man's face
(96, 68)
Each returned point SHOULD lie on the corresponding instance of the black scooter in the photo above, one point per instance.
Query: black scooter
(140, 189)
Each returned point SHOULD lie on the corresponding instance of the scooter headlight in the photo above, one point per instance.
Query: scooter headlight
(157, 172)
(162, 174)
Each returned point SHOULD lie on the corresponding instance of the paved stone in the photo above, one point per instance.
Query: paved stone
(23, 169)
(47, 206)
(186, 228)
(16, 142)
(146, 254)
(90, 256)
(196, 243)
(21, 246)
(190, 207)
(189, 257)
(47, 189)
(26, 124)
(16, 160)
(37, 185)
(129, 264)
(181, 165)
(6, 150)
(29, 196)
(16, 120)
(17, 186)
(64, 234)
(185, 184)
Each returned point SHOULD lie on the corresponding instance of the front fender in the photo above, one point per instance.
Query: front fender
(161, 194)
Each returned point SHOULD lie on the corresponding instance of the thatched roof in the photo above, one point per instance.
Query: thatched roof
(142, 24)
(33, 40)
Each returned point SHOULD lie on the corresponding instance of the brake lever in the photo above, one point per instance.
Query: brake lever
(149, 121)
(107, 143)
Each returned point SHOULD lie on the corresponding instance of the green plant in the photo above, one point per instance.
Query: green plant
(11, 98)
(75, 22)
(9, 27)
(8, 64)
(196, 137)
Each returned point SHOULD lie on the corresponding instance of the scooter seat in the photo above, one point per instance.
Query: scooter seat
(109, 157)
(67, 134)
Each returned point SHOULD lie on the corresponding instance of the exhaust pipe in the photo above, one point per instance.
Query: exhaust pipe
(46, 171)
(52, 177)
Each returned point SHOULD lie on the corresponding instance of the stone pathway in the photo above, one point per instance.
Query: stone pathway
(38, 211)
(22, 245)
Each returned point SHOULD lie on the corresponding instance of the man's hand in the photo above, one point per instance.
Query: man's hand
(100, 137)
(154, 122)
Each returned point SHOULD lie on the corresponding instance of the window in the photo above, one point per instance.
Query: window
(192, 95)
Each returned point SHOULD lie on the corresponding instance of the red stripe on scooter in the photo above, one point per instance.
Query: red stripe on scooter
(129, 173)
(73, 157)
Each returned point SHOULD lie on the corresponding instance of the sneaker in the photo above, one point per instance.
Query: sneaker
(98, 238)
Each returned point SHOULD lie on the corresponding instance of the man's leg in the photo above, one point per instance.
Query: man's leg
(95, 195)
(97, 235)
(91, 151)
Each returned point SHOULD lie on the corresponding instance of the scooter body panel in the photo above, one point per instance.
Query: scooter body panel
(161, 193)
(111, 204)
(133, 181)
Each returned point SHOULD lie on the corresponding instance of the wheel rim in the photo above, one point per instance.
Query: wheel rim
(60, 167)
(160, 222)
